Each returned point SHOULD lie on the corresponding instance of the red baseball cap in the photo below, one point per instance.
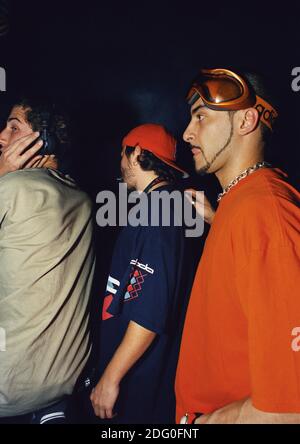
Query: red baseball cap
(156, 139)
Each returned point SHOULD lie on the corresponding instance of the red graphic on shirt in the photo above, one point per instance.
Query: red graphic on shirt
(135, 286)
(106, 303)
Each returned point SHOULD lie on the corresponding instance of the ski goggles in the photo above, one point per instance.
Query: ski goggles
(222, 89)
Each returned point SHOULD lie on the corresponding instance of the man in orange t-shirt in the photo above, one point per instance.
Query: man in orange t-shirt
(240, 352)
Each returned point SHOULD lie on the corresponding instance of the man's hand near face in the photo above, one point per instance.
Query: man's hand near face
(16, 155)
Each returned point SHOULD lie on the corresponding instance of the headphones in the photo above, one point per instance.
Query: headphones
(46, 135)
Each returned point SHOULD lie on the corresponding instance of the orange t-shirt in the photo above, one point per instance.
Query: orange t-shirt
(240, 337)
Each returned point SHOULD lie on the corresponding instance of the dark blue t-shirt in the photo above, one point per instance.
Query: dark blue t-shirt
(144, 286)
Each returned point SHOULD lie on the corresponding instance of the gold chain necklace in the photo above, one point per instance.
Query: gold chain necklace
(241, 176)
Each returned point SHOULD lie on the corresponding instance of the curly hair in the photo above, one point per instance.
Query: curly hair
(35, 113)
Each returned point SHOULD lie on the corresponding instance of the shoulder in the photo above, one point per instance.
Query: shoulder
(268, 193)
(36, 178)
(19, 183)
(25, 179)
(268, 208)
(36, 188)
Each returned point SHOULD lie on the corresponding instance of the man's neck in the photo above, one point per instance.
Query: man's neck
(144, 180)
(229, 172)
(51, 163)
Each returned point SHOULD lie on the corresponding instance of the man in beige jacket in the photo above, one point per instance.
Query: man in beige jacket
(46, 271)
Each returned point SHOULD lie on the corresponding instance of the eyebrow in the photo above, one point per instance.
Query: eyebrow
(13, 118)
(197, 109)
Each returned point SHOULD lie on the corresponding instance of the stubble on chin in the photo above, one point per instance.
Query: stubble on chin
(127, 178)
(203, 170)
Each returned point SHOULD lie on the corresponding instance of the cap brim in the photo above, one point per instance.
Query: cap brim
(185, 175)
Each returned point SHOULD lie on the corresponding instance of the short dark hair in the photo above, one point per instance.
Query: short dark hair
(59, 125)
(149, 162)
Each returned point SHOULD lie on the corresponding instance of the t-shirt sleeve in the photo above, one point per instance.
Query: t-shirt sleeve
(150, 294)
(268, 288)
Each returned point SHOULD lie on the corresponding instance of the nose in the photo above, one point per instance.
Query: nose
(3, 140)
(188, 135)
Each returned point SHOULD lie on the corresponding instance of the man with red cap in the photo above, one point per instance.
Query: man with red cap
(144, 304)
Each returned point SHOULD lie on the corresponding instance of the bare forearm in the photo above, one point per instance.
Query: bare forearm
(136, 341)
(243, 412)
(134, 344)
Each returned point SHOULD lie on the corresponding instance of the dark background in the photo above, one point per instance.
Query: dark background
(117, 64)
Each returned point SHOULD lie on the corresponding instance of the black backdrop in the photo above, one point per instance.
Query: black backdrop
(117, 64)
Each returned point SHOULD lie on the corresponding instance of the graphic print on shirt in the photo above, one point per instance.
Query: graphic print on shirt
(137, 279)
(111, 288)
(133, 290)
(142, 266)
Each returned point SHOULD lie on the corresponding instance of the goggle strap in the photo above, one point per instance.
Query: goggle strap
(193, 98)
(267, 113)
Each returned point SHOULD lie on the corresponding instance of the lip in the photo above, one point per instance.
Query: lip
(195, 151)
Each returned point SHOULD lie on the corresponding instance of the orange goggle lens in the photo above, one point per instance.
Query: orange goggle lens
(221, 89)
(217, 91)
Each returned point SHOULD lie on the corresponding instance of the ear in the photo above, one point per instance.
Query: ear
(136, 153)
(248, 121)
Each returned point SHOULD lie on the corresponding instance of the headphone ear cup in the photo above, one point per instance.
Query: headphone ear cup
(49, 142)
